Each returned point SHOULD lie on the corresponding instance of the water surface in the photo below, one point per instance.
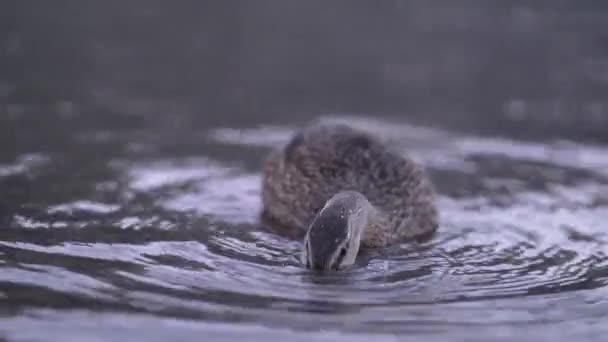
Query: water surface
(152, 235)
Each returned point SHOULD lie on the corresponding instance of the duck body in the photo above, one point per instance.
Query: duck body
(324, 159)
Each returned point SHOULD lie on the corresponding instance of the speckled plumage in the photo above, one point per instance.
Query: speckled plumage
(324, 159)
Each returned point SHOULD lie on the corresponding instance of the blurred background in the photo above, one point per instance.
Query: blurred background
(131, 136)
(527, 69)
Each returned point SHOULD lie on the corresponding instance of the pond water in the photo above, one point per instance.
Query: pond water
(153, 234)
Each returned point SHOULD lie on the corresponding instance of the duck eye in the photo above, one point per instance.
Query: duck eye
(340, 257)
(307, 254)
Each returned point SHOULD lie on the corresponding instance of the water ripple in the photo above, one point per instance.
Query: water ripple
(521, 243)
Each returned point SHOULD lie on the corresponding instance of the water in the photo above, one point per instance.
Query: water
(149, 233)
(131, 138)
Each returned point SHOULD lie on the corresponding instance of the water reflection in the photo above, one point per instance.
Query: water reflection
(521, 243)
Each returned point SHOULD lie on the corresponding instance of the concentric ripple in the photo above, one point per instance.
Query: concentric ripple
(522, 245)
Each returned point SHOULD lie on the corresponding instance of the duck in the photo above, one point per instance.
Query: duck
(346, 190)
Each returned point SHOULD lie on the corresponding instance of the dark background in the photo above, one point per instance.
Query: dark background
(528, 69)
(94, 93)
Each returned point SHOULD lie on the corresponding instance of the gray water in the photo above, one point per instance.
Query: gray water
(120, 237)
(132, 136)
